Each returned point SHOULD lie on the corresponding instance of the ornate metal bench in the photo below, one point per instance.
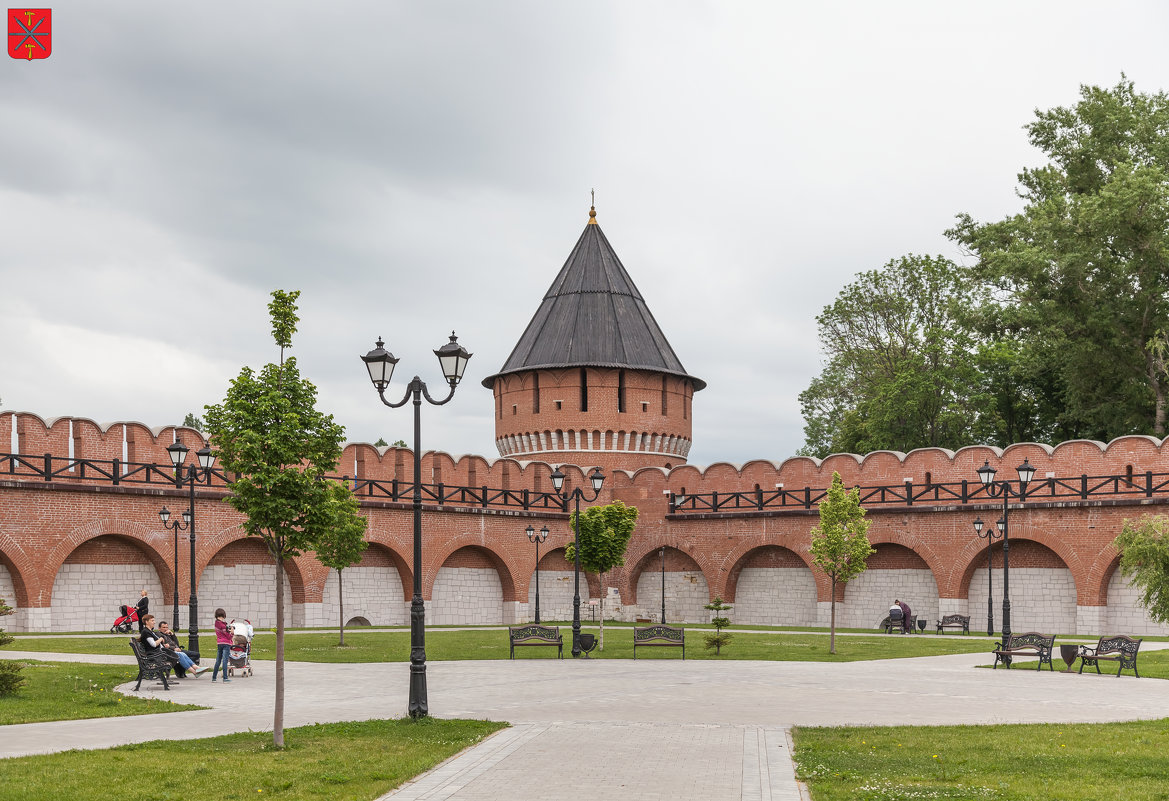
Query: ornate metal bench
(536, 635)
(1030, 643)
(156, 666)
(666, 636)
(954, 622)
(1119, 649)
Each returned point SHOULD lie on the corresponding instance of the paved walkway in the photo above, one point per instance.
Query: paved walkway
(644, 729)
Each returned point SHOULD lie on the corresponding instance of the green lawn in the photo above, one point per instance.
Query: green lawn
(1014, 763)
(71, 691)
(367, 646)
(329, 761)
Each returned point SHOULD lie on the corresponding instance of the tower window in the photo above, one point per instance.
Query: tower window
(621, 391)
(536, 394)
(584, 390)
(663, 396)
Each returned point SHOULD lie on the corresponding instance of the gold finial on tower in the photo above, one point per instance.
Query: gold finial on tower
(592, 207)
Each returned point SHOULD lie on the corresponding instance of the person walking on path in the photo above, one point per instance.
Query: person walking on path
(143, 607)
(222, 644)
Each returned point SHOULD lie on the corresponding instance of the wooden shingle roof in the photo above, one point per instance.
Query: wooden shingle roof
(593, 316)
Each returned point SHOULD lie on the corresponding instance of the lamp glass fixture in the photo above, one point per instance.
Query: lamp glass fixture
(206, 457)
(1001, 524)
(557, 479)
(1026, 472)
(543, 533)
(164, 514)
(598, 479)
(986, 473)
(380, 363)
(531, 532)
(177, 452)
(453, 358)
(187, 517)
(978, 524)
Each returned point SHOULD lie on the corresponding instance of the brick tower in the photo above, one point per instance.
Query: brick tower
(593, 381)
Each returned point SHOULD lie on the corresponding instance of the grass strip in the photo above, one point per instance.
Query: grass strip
(343, 761)
(1055, 762)
(479, 644)
(76, 691)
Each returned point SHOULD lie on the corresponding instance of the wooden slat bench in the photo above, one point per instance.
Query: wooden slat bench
(955, 622)
(155, 667)
(536, 635)
(1030, 643)
(659, 635)
(1118, 648)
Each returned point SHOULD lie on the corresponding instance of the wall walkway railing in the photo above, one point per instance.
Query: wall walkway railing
(1051, 490)
(49, 468)
(1127, 486)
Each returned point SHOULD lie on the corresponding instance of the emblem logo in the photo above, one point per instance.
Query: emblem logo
(30, 33)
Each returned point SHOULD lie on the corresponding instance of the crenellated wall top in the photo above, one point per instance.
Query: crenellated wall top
(29, 434)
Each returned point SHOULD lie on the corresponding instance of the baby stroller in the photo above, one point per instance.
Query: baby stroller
(126, 621)
(239, 657)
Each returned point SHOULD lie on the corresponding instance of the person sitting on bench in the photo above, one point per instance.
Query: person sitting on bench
(152, 644)
(896, 617)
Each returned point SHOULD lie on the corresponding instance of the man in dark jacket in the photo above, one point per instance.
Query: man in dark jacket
(170, 644)
(905, 623)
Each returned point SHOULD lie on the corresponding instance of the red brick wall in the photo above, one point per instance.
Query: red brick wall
(107, 550)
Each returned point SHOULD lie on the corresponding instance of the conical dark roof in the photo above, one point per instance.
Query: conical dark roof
(593, 316)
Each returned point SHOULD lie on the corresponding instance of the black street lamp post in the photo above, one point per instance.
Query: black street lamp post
(990, 536)
(598, 480)
(178, 453)
(995, 489)
(662, 553)
(380, 363)
(537, 537)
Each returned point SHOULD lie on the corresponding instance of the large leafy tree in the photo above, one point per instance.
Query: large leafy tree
(604, 539)
(10, 678)
(840, 544)
(341, 544)
(1080, 277)
(900, 371)
(1144, 561)
(270, 435)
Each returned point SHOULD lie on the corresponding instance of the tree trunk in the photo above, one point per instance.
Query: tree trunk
(278, 714)
(341, 605)
(601, 639)
(832, 623)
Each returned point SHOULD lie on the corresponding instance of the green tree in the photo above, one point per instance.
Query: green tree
(899, 373)
(840, 544)
(1144, 561)
(269, 433)
(191, 421)
(1080, 276)
(10, 678)
(341, 546)
(604, 538)
(718, 639)
(381, 443)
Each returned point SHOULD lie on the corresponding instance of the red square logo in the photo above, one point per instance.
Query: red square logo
(30, 33)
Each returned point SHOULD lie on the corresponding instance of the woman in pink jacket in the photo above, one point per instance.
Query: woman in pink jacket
(223, 644)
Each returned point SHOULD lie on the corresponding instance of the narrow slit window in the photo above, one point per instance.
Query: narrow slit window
(584, 390)
(621, 391)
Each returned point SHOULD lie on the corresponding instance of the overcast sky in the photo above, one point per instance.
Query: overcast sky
(414, 168)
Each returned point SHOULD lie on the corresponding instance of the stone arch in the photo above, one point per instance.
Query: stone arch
(687, 586)
(377, 589)
(894, 571)
(240, 578)
(470, 586)
(15, 562)
(1120, 605)
(556, 587)
(771, 585)
(101, 573)
(1043, 586)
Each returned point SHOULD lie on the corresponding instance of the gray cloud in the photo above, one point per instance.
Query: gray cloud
(414, 168)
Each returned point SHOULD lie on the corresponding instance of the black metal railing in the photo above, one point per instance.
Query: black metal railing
(1078, 488)
(117, 472)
